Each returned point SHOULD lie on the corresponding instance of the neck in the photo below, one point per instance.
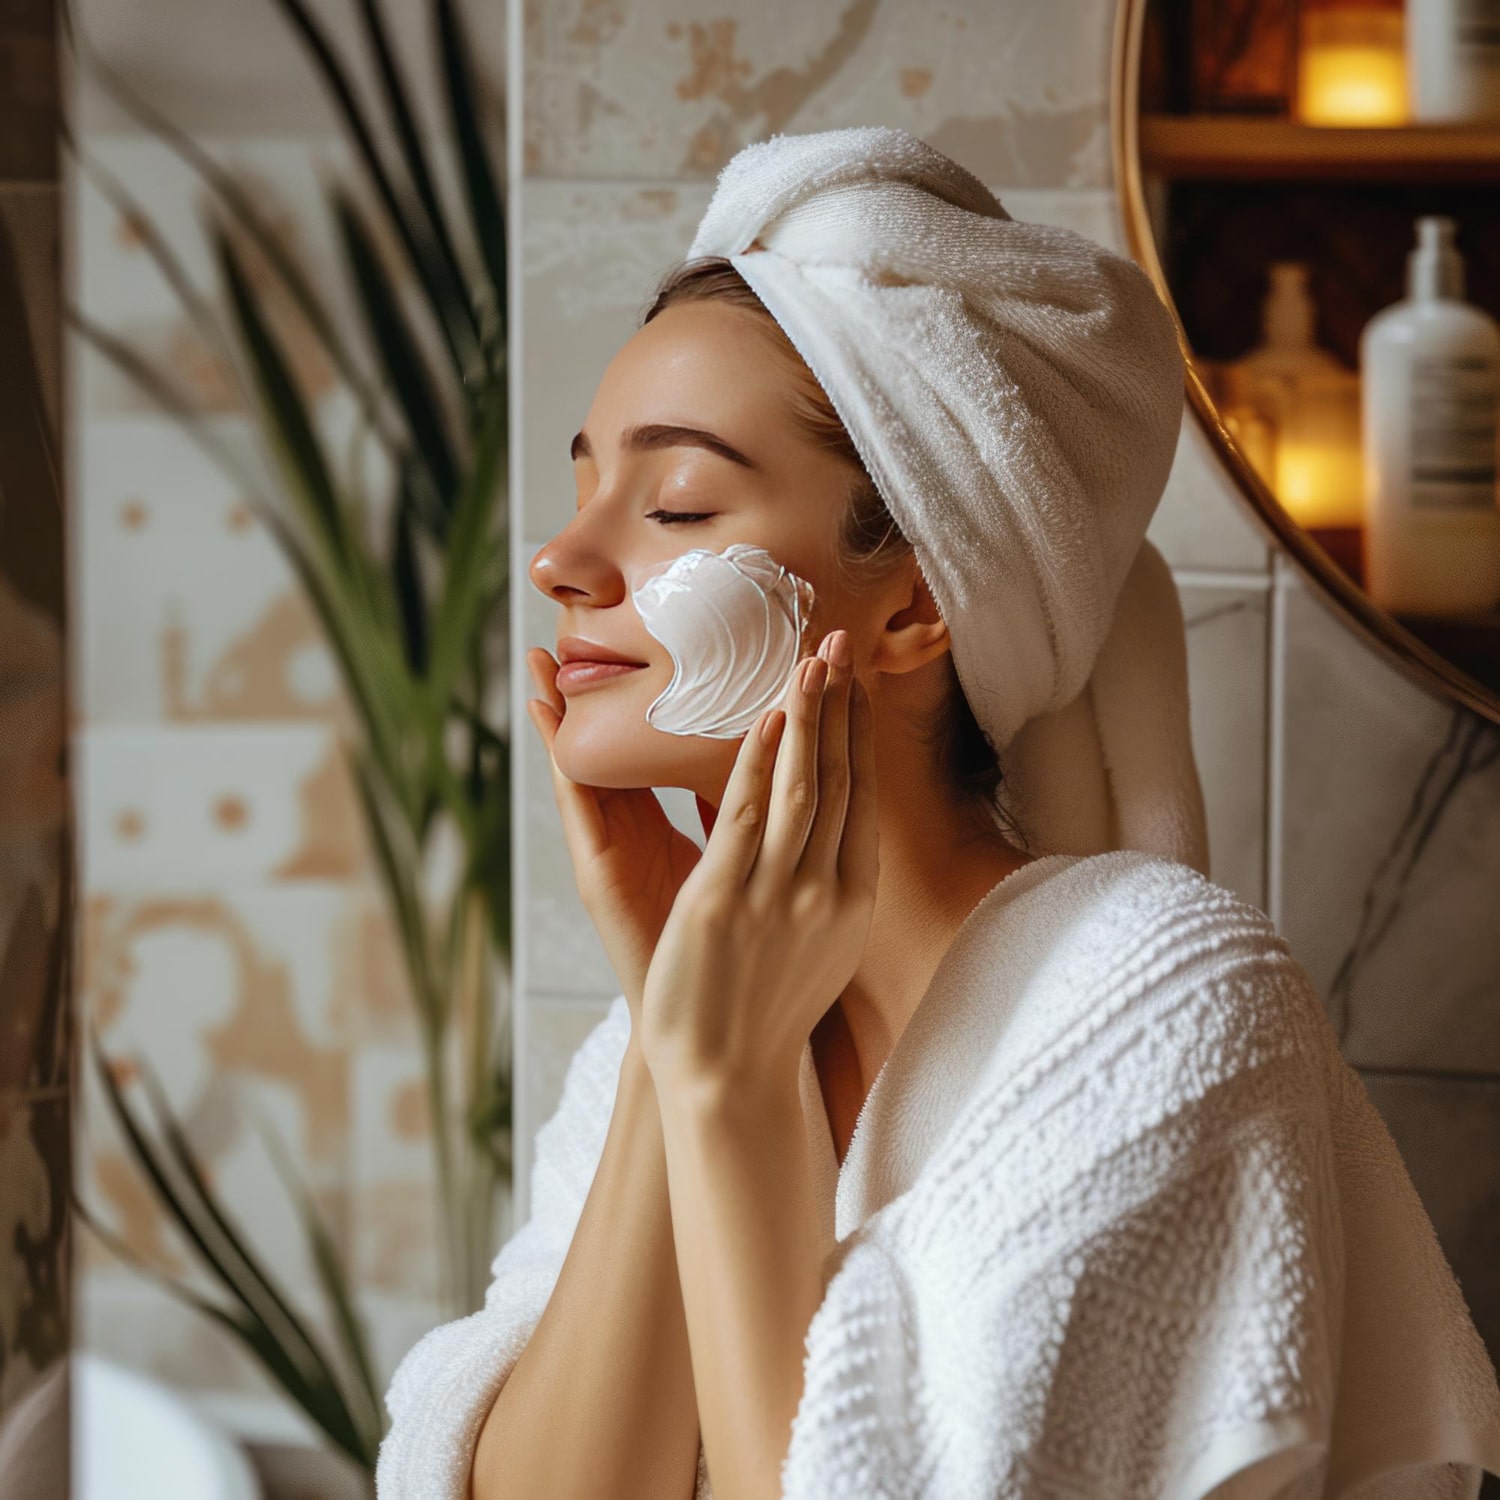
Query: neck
(936, 866)
(933, 873)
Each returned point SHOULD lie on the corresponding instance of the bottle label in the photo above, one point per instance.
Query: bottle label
(1478, 26)
(1455, 407)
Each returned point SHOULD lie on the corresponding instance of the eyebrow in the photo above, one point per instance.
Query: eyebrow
(642, 438)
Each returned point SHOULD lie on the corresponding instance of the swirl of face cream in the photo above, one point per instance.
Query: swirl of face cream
(733, 622)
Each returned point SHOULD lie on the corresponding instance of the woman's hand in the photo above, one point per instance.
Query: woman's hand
(629, 860)
(770, 925)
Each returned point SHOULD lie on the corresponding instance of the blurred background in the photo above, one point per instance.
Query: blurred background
(264, 609)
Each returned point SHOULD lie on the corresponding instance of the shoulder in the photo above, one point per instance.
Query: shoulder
(1133, 899)
(1161, 1015)
(1151, 945)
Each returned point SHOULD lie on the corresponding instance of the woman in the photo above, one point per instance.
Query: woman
(940, 1143)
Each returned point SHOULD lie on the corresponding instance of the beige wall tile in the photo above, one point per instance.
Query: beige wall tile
(188, 611)
(1226, 634)
(592, 255)
(122, 287)
(1014, 93)
(1446, 1133)
(217, 66)
(126, 1318)
(240, 1004)
(395, 1206)
(206, 804)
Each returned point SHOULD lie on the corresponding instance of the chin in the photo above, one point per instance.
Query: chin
(595, 749)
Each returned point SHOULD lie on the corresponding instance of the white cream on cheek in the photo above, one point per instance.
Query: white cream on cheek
(733, 622)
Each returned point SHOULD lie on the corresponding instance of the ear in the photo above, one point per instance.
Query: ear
(915, 632)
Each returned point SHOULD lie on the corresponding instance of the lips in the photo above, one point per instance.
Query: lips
(577, 674)
(582, 663)
(574, 648)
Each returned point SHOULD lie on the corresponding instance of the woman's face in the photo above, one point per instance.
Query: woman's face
(646, 498)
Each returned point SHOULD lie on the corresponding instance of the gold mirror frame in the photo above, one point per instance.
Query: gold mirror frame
(1411, 656)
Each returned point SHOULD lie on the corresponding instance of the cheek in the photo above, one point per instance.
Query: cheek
(734, 623)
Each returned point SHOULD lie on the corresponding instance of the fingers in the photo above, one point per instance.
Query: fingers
(821, 853)
(794, 786)
(858, 860)
(545, 712)
(735, 842)
(543, 668)
(583, 823)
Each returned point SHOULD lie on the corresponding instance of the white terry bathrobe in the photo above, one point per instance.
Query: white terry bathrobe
(1117, 1221)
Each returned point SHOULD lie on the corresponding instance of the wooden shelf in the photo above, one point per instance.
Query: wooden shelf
(1472, 644)
(1261, 147)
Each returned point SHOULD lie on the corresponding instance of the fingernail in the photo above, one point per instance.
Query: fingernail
(815, 675)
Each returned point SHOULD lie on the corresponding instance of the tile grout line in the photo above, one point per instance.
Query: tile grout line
(515, 151)
(1276, 736)
(1243, 579)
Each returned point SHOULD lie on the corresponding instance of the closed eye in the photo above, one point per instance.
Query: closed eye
(673, 517)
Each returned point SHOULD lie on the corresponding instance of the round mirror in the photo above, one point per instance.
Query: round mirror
(1314, 187)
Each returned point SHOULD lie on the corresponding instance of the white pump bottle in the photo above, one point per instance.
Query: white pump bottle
(1430, 368)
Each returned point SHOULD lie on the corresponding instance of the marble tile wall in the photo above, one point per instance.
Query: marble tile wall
(36, 922)
(228, 901)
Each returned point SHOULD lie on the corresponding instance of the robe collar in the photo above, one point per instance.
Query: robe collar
(948, 1043)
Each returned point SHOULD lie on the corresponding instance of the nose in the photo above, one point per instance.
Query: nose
(570, 568)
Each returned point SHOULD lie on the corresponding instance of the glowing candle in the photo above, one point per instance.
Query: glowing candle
(1319, 469)
(1351, 65)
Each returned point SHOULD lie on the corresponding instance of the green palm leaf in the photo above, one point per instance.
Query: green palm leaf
(334, 1284)
(244, 213)
(405, 366)
(458, 612)
(486, 215)
(296, 439)
(264, 1320)
(449, 302)
(399, 108)
(256, 1338)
